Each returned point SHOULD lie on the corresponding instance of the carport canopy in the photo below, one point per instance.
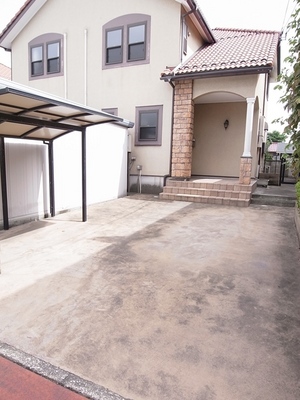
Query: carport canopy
(26, 113)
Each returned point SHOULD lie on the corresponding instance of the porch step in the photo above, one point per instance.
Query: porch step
(221, 192)
(237, 202)
(204, 185)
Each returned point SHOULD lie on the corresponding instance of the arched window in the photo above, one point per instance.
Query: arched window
(46, 56)
(126, 41)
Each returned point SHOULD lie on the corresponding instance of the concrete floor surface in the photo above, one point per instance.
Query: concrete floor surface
(160, 300)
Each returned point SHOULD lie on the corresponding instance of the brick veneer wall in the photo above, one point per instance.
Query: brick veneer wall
(183, 128)
(245, 170)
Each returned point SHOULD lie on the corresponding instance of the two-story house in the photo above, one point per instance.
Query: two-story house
(197, 96)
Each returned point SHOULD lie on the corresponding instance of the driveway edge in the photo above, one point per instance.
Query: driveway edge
(57, 375)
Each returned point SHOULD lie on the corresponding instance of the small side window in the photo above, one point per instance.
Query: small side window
(148, 126)
(185, 31)
(37, 64)
(113, 111)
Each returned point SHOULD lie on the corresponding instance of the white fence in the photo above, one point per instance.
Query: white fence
(28, 175)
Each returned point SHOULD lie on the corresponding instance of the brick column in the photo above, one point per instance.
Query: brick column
(245, 170)
(183, 127)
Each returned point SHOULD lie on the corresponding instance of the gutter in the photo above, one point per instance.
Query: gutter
(201, 20)
(279, 54)
(219, 73)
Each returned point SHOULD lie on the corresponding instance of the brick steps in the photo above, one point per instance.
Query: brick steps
(206, 199)
(209, 193)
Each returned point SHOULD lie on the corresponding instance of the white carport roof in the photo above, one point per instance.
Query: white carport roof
(26, 113)
(31, 114)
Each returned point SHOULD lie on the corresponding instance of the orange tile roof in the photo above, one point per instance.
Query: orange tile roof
(235, 51)
(5, 72)
(16, 16)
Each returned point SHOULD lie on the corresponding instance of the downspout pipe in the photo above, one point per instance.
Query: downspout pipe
(85, 65)
(201, 20)
(65, 66)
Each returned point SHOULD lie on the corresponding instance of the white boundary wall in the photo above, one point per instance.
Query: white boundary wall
(28, 175)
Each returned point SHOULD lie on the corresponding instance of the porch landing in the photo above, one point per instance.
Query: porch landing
(210, 190)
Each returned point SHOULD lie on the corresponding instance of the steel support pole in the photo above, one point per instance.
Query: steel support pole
(83, 162)
(4, 184)
(51, 178)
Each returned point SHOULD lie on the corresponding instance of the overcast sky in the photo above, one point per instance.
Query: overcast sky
(251, 14)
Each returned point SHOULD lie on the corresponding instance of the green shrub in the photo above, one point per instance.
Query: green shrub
(298, 194)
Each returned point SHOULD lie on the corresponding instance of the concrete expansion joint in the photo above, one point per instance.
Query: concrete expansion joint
(55, 374)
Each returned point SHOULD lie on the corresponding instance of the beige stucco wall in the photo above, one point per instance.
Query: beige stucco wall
(122, 88)
(211, 137)
(244, 85)
(217, 151)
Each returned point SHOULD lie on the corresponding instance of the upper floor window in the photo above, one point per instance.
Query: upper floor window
(53, 57)
(114, 50)
(37, 60)
(136, 42)
(126, 41)
(45, 56)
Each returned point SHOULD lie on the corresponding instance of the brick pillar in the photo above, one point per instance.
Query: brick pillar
(245, 170)
(183, 128)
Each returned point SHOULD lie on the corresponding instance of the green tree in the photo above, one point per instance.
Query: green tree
(276, 137)
(273, 137)
(290, 83)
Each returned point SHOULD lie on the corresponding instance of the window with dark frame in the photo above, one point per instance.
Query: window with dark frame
(126, 41)
(45, 56)
(136, 42)
(53, 57)
(114, 49)
(37, 63)
(148, 125)
(113, 111)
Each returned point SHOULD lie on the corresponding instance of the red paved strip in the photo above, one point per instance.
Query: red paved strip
(18, 383)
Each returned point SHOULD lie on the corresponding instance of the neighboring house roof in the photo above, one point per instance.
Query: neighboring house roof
(31, 7)
(236, 51)
(281, 148)
(5, 72)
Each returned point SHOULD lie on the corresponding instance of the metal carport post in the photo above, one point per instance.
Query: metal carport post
(51, 179)
(83, 177)
(26, 113)
(3, 184)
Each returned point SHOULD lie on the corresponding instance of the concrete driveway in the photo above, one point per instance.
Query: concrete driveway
(160, 300)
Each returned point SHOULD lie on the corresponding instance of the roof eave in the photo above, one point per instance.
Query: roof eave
(218, 73)
(20, 20)
(199, 20)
